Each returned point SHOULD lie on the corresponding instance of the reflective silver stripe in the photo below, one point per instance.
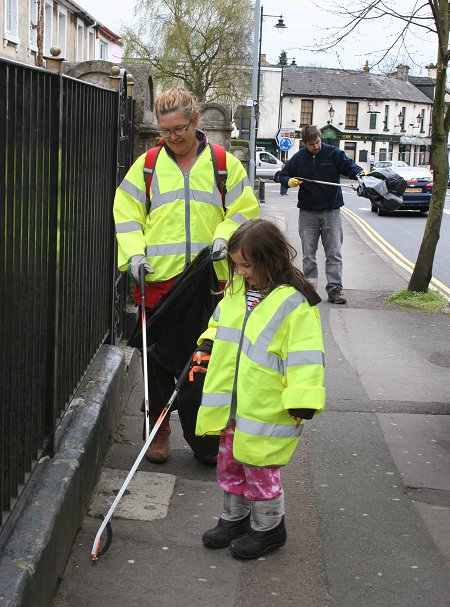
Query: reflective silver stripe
(158, 199)
(133, 191)
(258, 352)
(216, 400)
(262, 357)
(176, 248)
(307, 357)
(216, 314)
(128, 226)
(235, 192)
(228, 334)
(238, 218)
(255, 428)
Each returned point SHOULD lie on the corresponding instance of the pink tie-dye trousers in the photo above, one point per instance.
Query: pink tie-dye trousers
(252, 482)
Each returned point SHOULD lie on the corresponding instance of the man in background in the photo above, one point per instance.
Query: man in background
(319, 215)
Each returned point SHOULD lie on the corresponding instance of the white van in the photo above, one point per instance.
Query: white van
(266, 164)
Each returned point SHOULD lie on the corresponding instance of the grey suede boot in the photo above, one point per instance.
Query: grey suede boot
(234, 522)
(267, 531)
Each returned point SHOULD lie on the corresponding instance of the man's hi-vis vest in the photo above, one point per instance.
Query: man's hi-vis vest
(263, 363)
(186, 212)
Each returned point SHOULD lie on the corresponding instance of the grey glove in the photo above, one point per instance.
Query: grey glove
(135, 262)
(219, 249)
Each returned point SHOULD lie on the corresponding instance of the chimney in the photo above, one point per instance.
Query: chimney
(263, 59)
(402, 72)
(432, 71)
(366, 66)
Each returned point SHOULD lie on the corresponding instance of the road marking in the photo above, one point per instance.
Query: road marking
(447, 211)
(391, 251)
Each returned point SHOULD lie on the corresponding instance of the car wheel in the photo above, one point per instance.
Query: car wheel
(276, 177)
(380, 212)
(373, 208)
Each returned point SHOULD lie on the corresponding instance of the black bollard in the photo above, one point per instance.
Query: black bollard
(262, 191)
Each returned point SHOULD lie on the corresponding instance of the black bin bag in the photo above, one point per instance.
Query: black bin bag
(173, 326)
(383, 187)
(188, 404)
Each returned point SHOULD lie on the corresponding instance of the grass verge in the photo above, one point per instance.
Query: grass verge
(431, 301)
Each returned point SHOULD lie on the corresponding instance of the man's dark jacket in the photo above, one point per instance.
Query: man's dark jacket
(328, 165)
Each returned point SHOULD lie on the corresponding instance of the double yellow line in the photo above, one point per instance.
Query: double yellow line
(391, 251)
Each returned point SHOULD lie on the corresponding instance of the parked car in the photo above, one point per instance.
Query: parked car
(417, 195)
(267, 165)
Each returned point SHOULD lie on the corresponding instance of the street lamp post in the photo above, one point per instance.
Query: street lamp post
(257, 38)
(255, 72)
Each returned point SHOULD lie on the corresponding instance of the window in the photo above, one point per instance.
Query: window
(306, 112)
(386, 118)
(48, 28)
(350, 148)
(402, 120)
(382, 154)
(33, 11)
(80, 41)
(91, 45)
(351, 115)
(373, 121)
(11, 22)
(404, 152)
(103, 50)
(422, 121)
(62, 30)
(266, 157)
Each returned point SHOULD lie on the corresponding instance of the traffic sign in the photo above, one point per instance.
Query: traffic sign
(288, 133)
(285, 144)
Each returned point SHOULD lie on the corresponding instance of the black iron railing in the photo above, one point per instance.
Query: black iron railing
(62, 152)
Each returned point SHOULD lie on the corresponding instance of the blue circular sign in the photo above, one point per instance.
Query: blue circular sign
(285, 144)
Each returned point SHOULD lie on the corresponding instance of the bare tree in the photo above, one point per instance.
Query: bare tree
(204, 45)
(420, 18)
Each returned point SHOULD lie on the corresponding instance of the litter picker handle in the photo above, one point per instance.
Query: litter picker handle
(336, 185)
(96, 552)
(144, 349)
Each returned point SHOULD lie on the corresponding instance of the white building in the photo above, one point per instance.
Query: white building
(360, 112)
(28, 35)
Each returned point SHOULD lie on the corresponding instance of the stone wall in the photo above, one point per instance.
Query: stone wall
(215, 119)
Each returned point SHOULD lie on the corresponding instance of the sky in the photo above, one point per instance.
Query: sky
(305, 26)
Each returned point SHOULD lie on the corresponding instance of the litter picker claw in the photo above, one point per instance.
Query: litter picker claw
(97, 550)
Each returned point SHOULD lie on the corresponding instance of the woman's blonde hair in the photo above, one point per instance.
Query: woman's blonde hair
(176, 99)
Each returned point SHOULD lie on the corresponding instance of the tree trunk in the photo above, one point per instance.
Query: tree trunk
(423, 270)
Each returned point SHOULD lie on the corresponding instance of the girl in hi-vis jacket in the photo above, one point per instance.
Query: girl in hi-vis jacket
(265, 377)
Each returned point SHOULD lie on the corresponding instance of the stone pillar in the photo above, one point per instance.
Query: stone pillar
(215, 120)
(54, 63)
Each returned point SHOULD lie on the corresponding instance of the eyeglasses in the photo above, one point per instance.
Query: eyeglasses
(181, 130)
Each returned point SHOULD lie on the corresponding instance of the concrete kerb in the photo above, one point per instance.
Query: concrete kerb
(36, 553)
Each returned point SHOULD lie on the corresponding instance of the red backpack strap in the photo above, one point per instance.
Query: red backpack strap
(219, 160)
(149, 166)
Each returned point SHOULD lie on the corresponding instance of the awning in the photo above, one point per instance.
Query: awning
(415, 140)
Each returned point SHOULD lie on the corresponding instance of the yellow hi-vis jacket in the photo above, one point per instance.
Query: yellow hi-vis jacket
(186, 212)
(263, 363)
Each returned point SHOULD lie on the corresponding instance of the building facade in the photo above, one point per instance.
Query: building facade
(32, 27)
(364, 114)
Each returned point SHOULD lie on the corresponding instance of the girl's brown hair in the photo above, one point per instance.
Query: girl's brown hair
(262, 244)
(176, 99)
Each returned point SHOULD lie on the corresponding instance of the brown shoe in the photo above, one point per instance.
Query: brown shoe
(158, 452)
(335, 296)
